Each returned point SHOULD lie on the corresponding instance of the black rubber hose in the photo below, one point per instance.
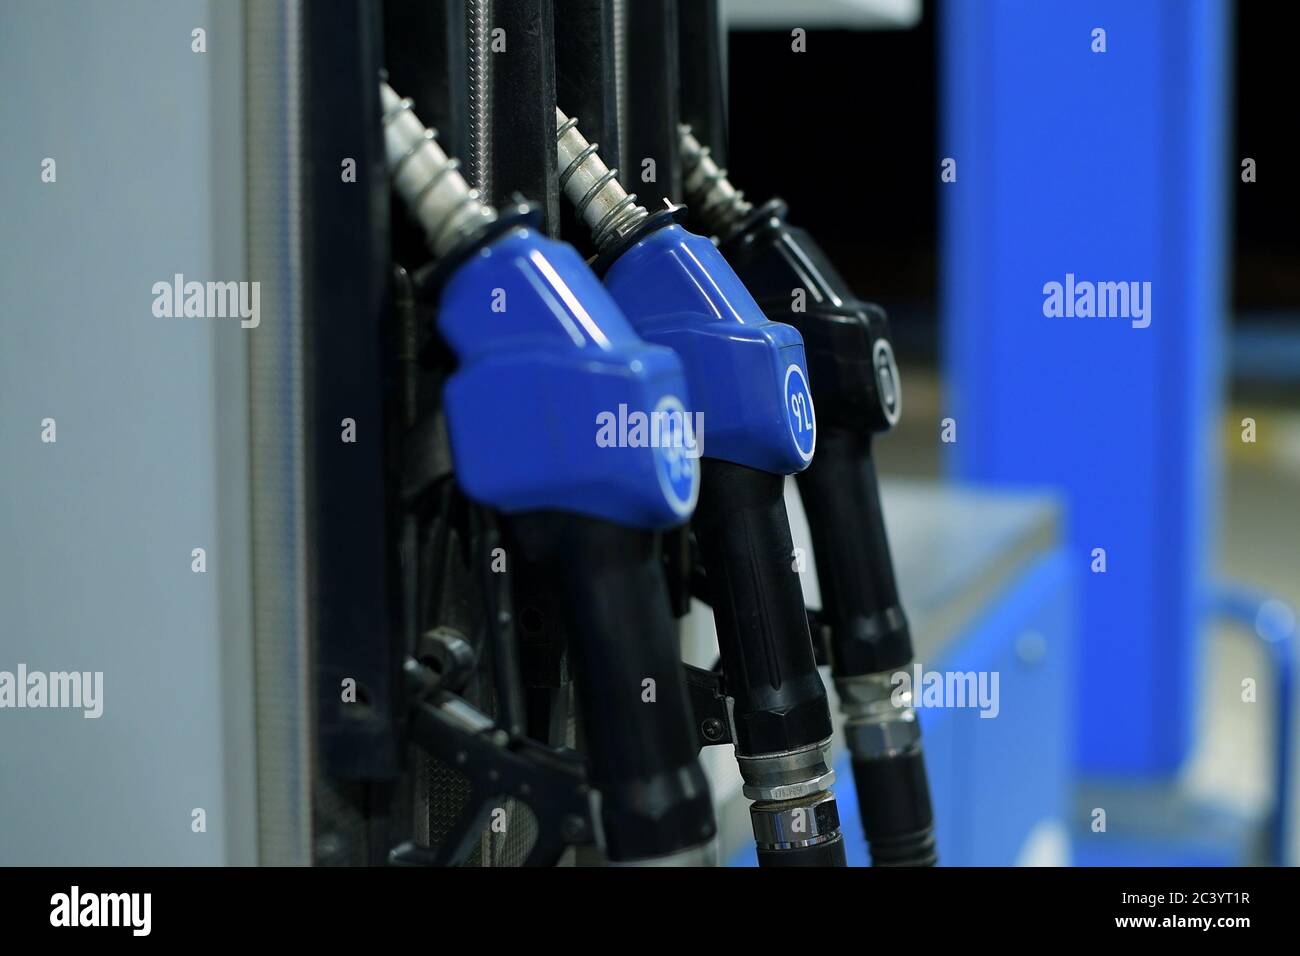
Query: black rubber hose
(830, 853)
(894, 799)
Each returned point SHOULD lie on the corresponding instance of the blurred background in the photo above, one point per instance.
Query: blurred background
(1128, 691)
(1103, 516)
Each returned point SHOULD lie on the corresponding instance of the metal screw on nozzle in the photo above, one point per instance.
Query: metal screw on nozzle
(448, 210)
(600, 200)
(717, 204)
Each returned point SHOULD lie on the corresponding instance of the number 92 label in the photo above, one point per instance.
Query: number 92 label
(799, 412)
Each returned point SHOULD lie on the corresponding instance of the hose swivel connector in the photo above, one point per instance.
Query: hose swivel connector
(599, 199)
(718, 206)
(442, 202)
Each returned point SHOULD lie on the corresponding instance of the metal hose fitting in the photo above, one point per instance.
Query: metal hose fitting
(884, 741)
(787, 776)
(794, 824)
(879, 718)
(794, 808)
(714, 202)
(444, 205)
(478, 53)
(599, 199)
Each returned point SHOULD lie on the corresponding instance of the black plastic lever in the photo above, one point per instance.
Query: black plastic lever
(608, 583)
(767, 653)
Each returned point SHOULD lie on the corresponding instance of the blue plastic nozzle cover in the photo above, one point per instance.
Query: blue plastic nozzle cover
(557, 404)
(747, 375)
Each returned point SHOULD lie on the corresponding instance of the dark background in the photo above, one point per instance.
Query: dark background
(859, 163)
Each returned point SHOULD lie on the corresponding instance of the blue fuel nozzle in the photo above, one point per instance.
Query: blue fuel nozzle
(556, 403)
(747, 374)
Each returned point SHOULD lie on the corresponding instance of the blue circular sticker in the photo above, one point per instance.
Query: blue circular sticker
(677, 453)
(799, 412)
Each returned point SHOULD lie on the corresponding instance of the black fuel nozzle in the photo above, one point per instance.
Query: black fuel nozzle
(855, 382)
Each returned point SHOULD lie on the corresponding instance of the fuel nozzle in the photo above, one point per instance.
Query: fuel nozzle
(748, 379)
(851, 363)
(531, 384)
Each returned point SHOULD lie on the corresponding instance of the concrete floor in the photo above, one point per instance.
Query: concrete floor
(1256, 542)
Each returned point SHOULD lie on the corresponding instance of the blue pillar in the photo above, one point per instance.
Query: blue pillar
(1110, 167)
